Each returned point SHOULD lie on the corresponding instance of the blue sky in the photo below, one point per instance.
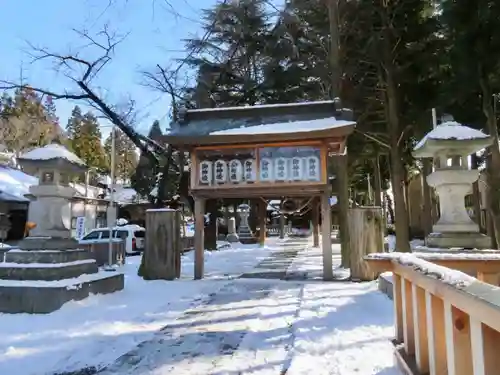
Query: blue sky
(154, 36)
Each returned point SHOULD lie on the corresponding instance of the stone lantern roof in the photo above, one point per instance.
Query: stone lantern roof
(451, 139)
(53, 156)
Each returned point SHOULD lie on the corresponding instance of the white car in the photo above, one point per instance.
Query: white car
(132, 234)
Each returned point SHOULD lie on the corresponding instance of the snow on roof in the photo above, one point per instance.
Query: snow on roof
(6, 197)
(452, 130)
(288, 127)
(277, 105)
(126, 195)
(50, 152)
(15, 182)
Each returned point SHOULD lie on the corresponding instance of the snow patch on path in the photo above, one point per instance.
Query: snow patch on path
(343, 328)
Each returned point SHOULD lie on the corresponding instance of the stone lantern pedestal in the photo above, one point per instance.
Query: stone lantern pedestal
(455, 228)
(49, 269)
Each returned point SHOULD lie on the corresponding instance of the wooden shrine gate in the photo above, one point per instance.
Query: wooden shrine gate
(264, 152)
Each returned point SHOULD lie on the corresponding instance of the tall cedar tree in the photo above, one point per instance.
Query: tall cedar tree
(471, 30)
(85, 139)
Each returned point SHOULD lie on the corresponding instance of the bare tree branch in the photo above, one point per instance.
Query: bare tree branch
(106, 42)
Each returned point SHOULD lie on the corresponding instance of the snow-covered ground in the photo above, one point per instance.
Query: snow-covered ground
(221, 325)
(391, 240)
(99, 329)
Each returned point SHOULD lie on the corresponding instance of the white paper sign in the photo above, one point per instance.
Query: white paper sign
(80, 227)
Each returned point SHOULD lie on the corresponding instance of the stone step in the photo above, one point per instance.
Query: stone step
(47, 271)
(46, 256)
(42, 297)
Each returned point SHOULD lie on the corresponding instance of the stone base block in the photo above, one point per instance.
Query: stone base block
(385, 285)
(38, 297)
(47, 256)
(48, 243)
(47, 272)
(248, 240)
(471, 240)
(232, 237)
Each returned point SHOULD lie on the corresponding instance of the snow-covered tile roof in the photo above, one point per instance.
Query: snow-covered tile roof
(15, 182)
(126, 195)
(451, 130)
(250, 107)
(6, 197)
(50, 152)
(287, 127)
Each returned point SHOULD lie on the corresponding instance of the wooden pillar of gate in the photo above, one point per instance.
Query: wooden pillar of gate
(282, 225)
(315, 221)
(262, 210)
(199, 241)
(326, 237)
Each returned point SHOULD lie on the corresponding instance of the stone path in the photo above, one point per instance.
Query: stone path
(199, 341)
(276, 266)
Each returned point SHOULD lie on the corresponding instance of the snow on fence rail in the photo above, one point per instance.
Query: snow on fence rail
(446, 322)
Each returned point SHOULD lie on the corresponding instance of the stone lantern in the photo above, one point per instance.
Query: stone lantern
(244, 233)
(452, 183)
(50, 209)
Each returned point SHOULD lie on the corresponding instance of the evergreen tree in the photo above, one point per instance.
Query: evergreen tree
(24, 122)
(230, 60)
(144, 179)
(84, 138)
(74, 125)
(50, 111)
(125, 155)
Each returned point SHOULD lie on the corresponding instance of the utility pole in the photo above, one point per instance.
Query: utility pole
(112, 209)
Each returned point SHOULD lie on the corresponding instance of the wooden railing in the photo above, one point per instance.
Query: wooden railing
(447, 323)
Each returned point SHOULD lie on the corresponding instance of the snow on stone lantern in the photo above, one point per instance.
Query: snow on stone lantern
(54, 166)
(452, 140)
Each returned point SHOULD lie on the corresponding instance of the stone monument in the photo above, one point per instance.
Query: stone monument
(452, 183)
(49, 269)
(244, 233)
(231, 230)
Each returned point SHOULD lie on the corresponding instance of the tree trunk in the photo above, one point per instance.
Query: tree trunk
(493, 177)
(490, 225)
(388, 80)
(366, 227)
(476, 195)
(254, 215)
(390, 208)
(343, 202)
(378, 180)
(333, 17)
(426, 195)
